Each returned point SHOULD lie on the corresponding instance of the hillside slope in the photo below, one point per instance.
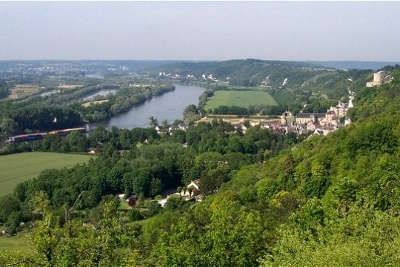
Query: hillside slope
(292, 84)
(330, 201)
(254, 72)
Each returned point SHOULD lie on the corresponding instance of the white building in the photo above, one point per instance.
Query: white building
(192, 189)
(305, 118)
(379, 78)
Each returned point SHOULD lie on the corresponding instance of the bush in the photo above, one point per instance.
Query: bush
(134, 215)
(13, 221)
(174, 202)
(8, 205)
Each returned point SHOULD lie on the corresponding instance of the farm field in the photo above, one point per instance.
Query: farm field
(240, 99)
(19, 167)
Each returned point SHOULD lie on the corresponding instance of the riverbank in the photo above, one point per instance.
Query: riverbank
(168, 106)
(122, 101)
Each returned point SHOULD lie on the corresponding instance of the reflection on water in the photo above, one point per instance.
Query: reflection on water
(168, 106)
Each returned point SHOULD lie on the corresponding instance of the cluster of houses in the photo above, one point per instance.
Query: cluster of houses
(189, 192)
(302, 123)
(170, 129)
(316, 123)
(191, 77)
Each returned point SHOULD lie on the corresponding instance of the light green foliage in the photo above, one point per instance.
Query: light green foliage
(363, 237)
(233, 237)
(77, 243)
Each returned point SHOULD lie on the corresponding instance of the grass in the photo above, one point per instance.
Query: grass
(240, 99)
(19, 167)
(18, 243)
(124, 205)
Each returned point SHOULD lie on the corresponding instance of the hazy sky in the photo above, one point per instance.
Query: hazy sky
(200, 31)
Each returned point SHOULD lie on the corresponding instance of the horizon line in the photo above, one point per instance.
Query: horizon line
(208, 60)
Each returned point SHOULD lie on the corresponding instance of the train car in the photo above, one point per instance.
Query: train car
(67, 131)
(26, 137)
(39, 136)
(64, 132)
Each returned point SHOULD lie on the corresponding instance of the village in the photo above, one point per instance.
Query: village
(301, 123)
(315, 123)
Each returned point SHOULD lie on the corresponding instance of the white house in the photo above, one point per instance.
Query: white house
(192, 189)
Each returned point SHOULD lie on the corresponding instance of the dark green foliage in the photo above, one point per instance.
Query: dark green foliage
(141, 162)
(3, 89)
(43, 118)
(191, 114)
(8, 205)
(134, 215)
(175, 202)
(252, 110)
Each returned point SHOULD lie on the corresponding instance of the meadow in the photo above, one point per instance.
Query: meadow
(19, 243)
(19, 167)
(240, 99)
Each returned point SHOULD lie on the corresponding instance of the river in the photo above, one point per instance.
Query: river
(168, 106)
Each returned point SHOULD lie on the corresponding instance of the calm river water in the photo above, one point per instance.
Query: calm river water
(168, 106)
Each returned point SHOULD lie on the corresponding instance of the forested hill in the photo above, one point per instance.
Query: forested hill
(290, 83)
(329, 201)
(254, 72)
(246, 72)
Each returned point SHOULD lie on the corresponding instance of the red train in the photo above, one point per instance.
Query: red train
(39, 136)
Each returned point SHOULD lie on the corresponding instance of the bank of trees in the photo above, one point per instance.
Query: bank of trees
(252, 110)
(39, 117)
(3, 89)
(66, 111)
(141, 162)
(124, 99)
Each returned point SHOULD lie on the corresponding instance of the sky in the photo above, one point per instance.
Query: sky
(200, 30)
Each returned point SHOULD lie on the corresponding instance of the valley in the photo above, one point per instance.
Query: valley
(252, 161)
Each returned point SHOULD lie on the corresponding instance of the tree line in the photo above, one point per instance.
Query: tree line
(141, 162)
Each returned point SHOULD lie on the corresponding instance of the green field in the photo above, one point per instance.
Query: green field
(19, 167)
(18, 243)
(240, 99)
